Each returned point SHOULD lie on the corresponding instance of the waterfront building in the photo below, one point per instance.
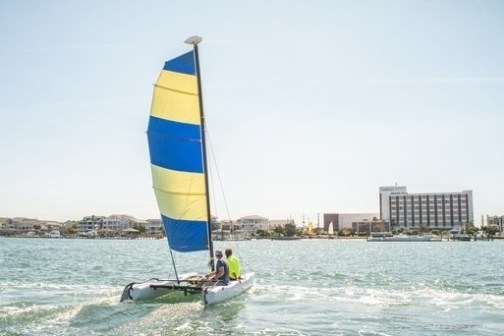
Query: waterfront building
(346, 220)
(153, 226)
(385, 194)
(250, 224)
(447, 210)
(7, 224)
(227, 225)
(25, 225)
(90, 223)
(111, 223)
(497, 221)
(224, 229)
(121, 222)
(53, 225)
(21, 225)
(374, 225)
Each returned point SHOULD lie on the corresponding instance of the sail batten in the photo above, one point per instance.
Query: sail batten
(174, 90)
(175, 193)
(176, 153)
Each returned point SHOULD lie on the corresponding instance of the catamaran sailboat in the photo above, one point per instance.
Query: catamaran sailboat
(176, 136)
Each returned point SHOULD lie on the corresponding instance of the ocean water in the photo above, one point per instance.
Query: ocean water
(304, 287)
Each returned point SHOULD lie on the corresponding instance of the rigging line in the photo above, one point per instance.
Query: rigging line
(211, 192)
(214, 161)
(175, 268)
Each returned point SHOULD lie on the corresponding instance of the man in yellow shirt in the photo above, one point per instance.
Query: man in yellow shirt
(234, 265)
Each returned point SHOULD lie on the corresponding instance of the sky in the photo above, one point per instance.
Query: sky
(311, 105)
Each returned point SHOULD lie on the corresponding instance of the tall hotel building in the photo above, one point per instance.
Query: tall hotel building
(452, 210)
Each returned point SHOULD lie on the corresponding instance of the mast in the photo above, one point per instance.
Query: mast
(195, 40)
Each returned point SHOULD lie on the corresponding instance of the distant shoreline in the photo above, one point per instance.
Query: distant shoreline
(216, 240)
(84, 238)
(160, 238)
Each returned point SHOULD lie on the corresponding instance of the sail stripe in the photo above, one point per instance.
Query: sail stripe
(176, 98)
(178, 206)
(183, 64)
(177, 182)
(178, 81)
(175, 146)
(191, 235)
(180, 195)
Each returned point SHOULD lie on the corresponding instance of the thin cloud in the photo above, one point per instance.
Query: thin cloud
(70, 103)
(78, 47)
(433, 80)
(224, 41)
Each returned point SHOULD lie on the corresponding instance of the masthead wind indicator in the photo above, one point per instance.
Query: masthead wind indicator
(194, 40)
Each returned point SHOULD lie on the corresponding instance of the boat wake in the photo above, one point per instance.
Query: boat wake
(88, 310)
(378, 298)
(344, 309)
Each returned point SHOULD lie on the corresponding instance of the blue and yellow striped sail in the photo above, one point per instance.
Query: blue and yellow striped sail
(175, 147)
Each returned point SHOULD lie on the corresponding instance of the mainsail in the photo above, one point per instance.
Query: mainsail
(176, 154)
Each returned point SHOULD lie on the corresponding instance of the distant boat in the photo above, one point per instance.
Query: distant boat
(416, 238)
(55, 234)
(286, 238)
(330, 231)
(310, 230)
(389, 237)
(380, 236)
(176, 135)
(460, 237)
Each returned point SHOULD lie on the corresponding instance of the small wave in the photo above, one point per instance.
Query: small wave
(382, 297)
(155, 316)
(41, 308)
(278, 332)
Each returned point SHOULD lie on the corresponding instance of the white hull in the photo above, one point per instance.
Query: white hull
(154, 288)
(216, 294)
(149, 290)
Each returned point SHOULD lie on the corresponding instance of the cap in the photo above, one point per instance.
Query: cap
(218, 253)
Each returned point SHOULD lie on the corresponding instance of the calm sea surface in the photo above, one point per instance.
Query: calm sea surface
(305, 287)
